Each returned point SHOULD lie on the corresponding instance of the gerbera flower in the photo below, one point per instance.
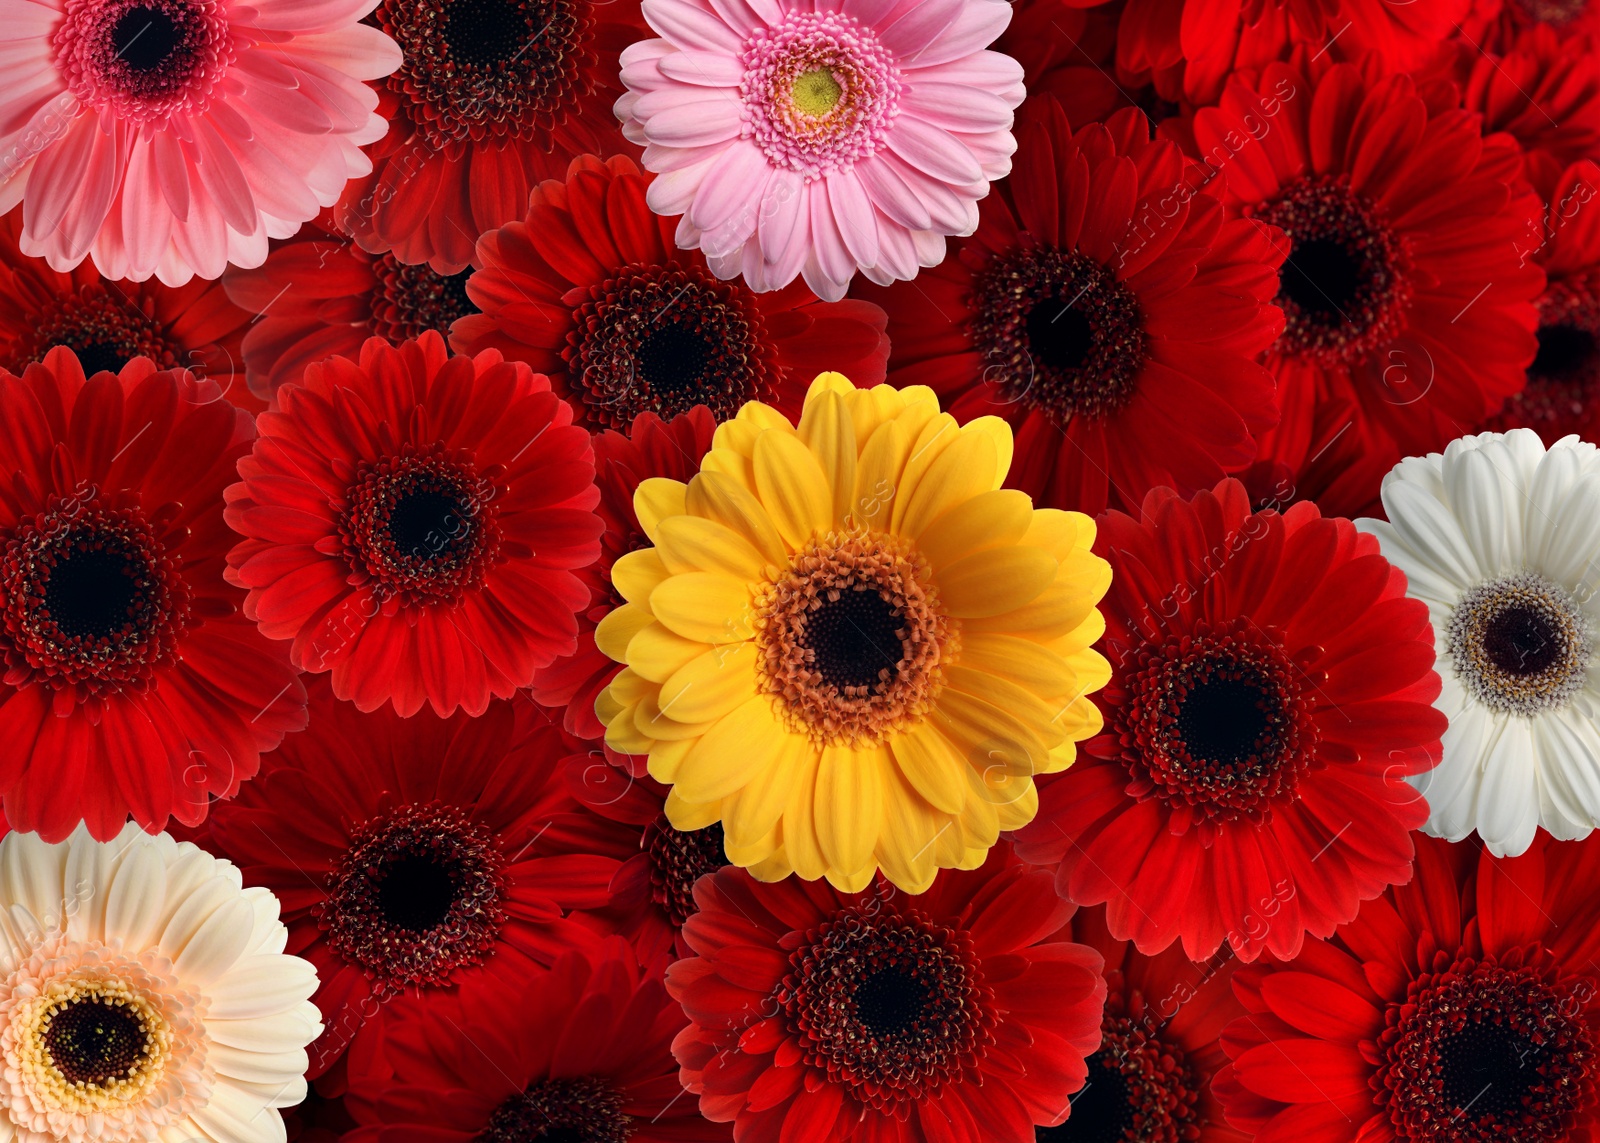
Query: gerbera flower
(145, 995)
(1543, 89)
(1108, 314)
(1271, 688)
(848, 644)
(411, 854)
(590, 291)
(1492, 24)
(414, 524)
(581, 1052)
(173, 137)
(1338, 465)
(493, 96)
(964, 1014)
(132, 684)
(1402, 288)
(319, 295)
(1499, 538)
(1150, 1080)
(817, 143)
(1461, 1008)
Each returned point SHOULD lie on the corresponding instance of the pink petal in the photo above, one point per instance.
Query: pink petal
(934, 151)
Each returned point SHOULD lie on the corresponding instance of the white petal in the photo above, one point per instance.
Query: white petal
(1487, 506)
(1508, 807)
(1426, 527)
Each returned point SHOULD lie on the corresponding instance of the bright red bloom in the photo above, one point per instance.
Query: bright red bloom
(492, 98)
(1461, 1008)
(415, 525)
(412, 854)
(1270, 690)
(653, 448)
(581, 1052)
(1108, 313)
(1543, 89)
(1402, 223)
(960, 1016)
(591, 289)
(132, 685)
(319, 295)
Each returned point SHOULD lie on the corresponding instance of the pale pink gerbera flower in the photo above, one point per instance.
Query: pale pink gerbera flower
(821, 137)
(172, 137)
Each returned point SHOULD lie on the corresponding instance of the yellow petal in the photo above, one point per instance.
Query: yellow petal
(935, 769)
(656, 651)
(775, 868)
(1058, 610)
(717, 497)
(827, 431)
(711, 685)
(793, 487)
(614, 633)
(706, 606)
(1078, 640)
(878, 474)
(1018, 702)
(686, 815)
(979, 823)
(666, 757)
(908, 847)
(757, 852)
(799, 823)
(732, 753)
(988, 735)
(629, 687)
(853, 881)
(623, 736)
(637, 574)
(1022, 661)
(693, 543)
(825, 383)
(731, 465)
(650, 720)
(1061, 533)
(1016, 812)
(871, 408)
(990, 582)
(1080, 719)
(850, 805)
(938, 434)
(988, 520)
(957, 474)
(654, 500)
(999, 434)
(606, 706)
(756, 810)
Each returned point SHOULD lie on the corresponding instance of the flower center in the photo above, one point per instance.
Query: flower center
(1564, 379)
(1556, 12)
(1520, 644)
(852, 639)
(421, 526)
(1057, 332)
(104, 334)
(91, 1043)
(1139, 1090)
(580, 1110)
(419, 894)
(679, 858)
(94, 1042)
(1484, 1051)
(891, 1006)
(1217, 722)
(820, 92)
(489, 69)
(411, 300)
(144, 60)
(1345, 284)
(663, 339)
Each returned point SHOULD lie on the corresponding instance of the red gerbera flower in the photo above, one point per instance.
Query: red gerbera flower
(1461, 1008)
(414, 523)
(492, 97)
(410, 854)
(1270, 690)
(1108, 313)
(1492, 24)
(591, 290)
(107, 324)
(1543, 89)
(962, 1015)
(654, 448)
(132, 684)
(581, 1052)
(1402, 288)
(319, 295)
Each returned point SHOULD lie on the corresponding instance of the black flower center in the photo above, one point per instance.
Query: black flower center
(855, 638)
(426, 520)
(1059, 335)
(416, 892)
(1101, 1111)
(95, 592)
(91, 1041)
(101, 357)
(673, 359)
(485, 31)
(1522, 640)
(1521, 643)
(679, 858)
(890, 1001)
(103, 331)
(1487, 1068)
(580, 1110)
(1139, 1089)
(1322, 277)
(144, 38)
(411, 300)
(1222, 719)
(1565, 352)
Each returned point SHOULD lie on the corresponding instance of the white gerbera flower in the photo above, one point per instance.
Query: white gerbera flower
(1501, 540)
(144, 995)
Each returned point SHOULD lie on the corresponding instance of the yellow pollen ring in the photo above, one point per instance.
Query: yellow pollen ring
(816, 92)
(31, 1024)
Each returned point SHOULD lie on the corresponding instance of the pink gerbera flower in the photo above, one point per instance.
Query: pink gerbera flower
(172, 137)
(821, 142)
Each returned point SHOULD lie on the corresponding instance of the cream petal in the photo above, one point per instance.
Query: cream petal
(134, 899)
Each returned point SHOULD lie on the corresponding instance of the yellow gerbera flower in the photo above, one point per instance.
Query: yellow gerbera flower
(849, 644)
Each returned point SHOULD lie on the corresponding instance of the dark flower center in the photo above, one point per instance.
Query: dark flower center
(151, 54)
(1520, 644)
(1344, 286)
(1522, 640)
(662, 339)
(1140, 1089)
(423, 520)
(485, 31)
(1223, 719)
(1101, 1112)
(411, 300)
(145, 37)
(102, 331)
(679, 858)
(1557, 12)
(1565, 352)
(891, 1006)
(1057, 332)
(855, 639)
(1564, 379)
(91, 1041)
(97, 592)
(419, 894)
(580, 1110)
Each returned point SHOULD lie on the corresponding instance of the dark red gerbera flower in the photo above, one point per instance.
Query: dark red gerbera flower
(319, 294)
(1150, 1081)
(132, 684)
(581, 1052)
(1069, 52)
(591, 290)
(1461, 1008)
(1339, 465)
(1543, 89)
(492, 97)
(653, 448)
(1492, 24)
(1402, 288)
(1105, 310)
(414, 523)
(409, 854)
(1270, 690)
(963, 1015)
(107, 324)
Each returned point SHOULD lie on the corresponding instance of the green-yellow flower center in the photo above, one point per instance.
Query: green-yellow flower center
(816, 92)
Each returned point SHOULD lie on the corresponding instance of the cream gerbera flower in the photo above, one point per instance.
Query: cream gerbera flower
(849, 644)
(144, 995)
